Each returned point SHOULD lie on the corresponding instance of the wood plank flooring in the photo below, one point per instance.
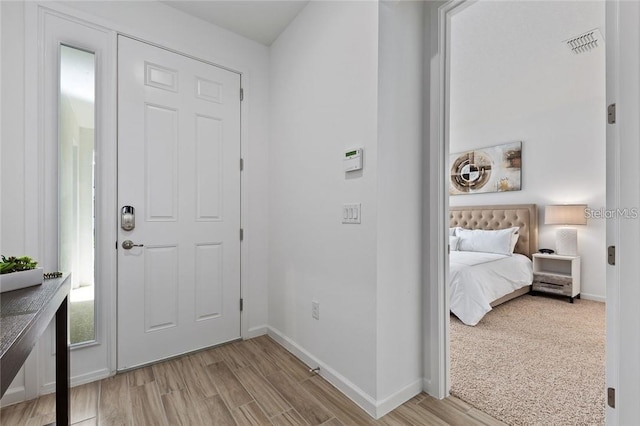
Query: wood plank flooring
(254, 382)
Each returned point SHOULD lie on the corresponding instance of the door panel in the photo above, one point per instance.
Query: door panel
(208, 295)
(160, 160)
(161, 288)
(209, 168)
(178, 161)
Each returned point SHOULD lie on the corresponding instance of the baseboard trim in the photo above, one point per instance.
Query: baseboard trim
(353, 392)
(259, 330)
(595, 298)
(13, 396)
(375, 409)
(426, 386)
(79, 380)
(398, 398)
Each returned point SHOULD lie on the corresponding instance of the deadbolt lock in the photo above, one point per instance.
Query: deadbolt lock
(128, 218)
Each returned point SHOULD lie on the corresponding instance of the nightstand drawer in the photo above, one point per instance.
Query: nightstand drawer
(556, 274)
(550, 283)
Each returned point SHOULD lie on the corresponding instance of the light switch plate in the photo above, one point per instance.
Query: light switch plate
(351, 213)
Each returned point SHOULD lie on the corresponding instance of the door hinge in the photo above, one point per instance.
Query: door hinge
(241, 304)
(241, 234)
(241, 164)
(611, 114)
(611, 397)
(116, 245)
(611, 255)
(241, 94)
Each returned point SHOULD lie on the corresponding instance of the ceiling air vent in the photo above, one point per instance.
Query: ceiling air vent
(585, 42)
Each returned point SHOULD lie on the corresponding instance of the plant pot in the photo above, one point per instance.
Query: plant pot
(22, 279)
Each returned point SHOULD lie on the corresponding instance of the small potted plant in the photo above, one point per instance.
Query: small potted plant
(19, 272)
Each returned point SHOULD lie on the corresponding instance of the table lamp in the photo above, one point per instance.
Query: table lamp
(566, 214)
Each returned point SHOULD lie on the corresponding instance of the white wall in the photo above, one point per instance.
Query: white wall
(512, 79)
(12, 224)
(323, 92)
(12, 28)
(399, 257)
(343, 75)
(168, 27)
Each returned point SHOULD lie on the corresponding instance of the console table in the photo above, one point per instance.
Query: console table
(24, 316)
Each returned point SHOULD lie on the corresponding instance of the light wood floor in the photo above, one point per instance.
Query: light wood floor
(254, 382)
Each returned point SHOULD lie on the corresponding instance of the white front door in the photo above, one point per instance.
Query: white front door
(179, 168)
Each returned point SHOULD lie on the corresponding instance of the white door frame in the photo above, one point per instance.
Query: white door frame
(612, 199)
(45, 29)
(623, 231)
(437, 366)
(39, 376)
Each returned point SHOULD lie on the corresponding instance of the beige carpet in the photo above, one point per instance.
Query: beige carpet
(533, 361)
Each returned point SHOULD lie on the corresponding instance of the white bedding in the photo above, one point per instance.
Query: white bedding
(476, 279)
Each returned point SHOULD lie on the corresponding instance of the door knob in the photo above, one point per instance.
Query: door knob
(128, 245)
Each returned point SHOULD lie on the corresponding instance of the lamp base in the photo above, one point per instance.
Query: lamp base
(567, 241)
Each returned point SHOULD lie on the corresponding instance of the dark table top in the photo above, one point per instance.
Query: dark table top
(24, 315)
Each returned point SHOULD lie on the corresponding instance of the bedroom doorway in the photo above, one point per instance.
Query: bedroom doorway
(470, 122)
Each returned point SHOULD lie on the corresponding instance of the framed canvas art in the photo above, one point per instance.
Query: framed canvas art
(492, 169)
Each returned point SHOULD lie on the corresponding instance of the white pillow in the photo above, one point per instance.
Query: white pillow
(452, 231)
(514, 240)
(498, 241)
(453, 242)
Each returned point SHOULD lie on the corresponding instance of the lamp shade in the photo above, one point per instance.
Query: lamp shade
(565, 214)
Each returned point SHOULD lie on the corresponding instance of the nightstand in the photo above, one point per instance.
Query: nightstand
(556, 274)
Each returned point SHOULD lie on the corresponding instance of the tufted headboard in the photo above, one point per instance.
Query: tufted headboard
(499, 217)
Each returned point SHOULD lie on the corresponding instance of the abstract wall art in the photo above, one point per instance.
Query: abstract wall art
(492, 169)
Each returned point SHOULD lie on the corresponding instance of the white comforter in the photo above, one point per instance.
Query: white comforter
(477, 279)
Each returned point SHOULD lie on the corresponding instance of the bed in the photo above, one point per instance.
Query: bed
(479, 281)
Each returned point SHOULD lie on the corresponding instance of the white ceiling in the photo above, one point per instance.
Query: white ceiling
(513, 46)
(261, 21)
